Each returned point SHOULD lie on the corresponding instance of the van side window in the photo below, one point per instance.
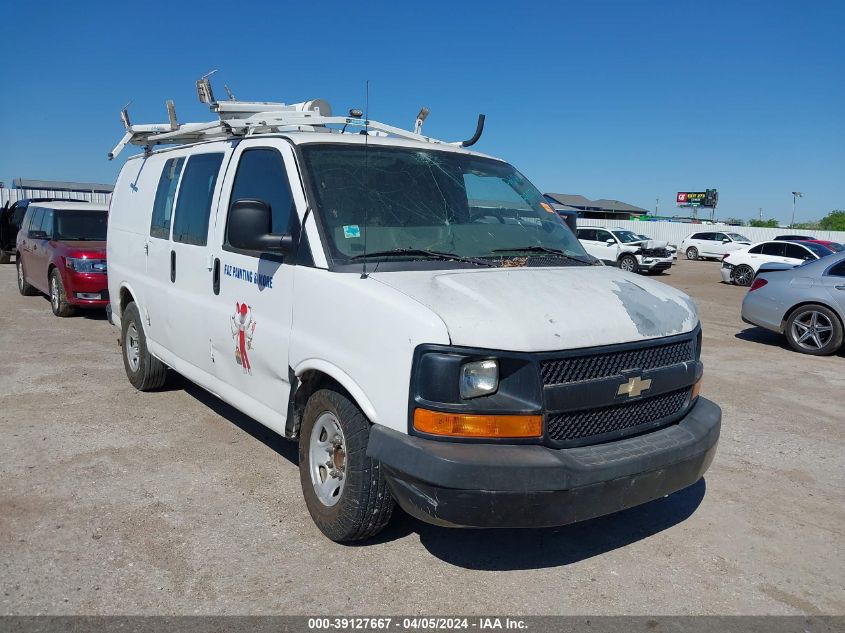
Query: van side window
(165, 194)
(587, 234)
(261, 176)
(194, 204)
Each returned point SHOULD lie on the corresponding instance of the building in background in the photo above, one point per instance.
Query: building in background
(29, 188)
(601, 209)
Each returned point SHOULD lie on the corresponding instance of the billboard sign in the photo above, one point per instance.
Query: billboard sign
(707, 198)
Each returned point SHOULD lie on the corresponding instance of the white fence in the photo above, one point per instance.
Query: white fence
(12, 195)
(675, 232)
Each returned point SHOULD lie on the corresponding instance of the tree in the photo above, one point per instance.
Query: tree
(833, 221)
(768, 224)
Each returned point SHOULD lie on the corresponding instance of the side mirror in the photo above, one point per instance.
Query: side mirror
(250, 228)
(36, 234)
(610, 241)
(726, 240)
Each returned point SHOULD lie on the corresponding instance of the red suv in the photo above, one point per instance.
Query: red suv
(61, 251)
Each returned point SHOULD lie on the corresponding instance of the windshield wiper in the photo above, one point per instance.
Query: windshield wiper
(540, 249)
(421, 252)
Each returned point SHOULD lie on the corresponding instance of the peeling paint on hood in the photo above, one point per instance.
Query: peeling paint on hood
(546, 309)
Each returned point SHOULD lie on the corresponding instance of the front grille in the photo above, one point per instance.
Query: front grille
(556, 371)
(577, 425)
(656, 252)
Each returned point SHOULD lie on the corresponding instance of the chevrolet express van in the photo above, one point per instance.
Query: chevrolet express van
(413, 314)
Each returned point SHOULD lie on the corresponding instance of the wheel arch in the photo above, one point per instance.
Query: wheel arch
(311, 375)
(126, 296)
(824, 304)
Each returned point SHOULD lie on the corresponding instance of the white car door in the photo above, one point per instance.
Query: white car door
(250, 321)
(587, 237)
(607, 246)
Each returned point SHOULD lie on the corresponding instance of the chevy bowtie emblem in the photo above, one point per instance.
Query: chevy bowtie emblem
(634, 387)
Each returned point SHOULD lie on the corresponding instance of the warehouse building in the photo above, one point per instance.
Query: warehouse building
(602, 209)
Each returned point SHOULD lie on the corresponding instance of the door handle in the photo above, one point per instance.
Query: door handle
(215, 276)
(840, 287)
(173, 266)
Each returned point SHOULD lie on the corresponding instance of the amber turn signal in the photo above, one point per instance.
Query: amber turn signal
(477, 425)
(696, 389)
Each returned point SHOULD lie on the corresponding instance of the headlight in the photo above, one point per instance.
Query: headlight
(479, 378)
(84, 265)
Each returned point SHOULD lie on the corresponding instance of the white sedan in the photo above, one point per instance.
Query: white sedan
(741, 266)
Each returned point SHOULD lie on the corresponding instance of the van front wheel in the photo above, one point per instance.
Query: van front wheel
(345, 491)
(143, 370)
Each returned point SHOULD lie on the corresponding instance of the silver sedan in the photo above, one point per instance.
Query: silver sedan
(805, 303)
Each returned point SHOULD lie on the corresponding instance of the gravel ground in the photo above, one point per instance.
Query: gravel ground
(118, 502)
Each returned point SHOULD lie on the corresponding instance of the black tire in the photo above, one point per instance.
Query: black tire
(826, 318)
(23, 286)
(58, 297)
(692, 253)
(149, 372)
(743, 275)
(364, 505)
(629, 263)
(5, 257)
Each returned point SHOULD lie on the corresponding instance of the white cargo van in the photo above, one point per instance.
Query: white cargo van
(412, 312)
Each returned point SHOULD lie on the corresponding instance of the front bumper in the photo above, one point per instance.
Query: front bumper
(86, 289)
(653, 264)
(494, 485)
(727, 272)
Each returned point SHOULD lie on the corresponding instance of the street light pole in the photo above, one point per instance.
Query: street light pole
(795, 195)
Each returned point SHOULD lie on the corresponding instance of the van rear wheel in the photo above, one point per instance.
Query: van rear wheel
(143, 370)
(345, 491)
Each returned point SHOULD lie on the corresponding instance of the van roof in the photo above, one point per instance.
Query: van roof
(80, 206)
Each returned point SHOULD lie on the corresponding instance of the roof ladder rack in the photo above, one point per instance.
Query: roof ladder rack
(244, 118)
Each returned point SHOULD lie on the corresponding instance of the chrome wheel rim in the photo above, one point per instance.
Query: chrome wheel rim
(627, 265)
(692, 253)
(54, 294)
(133, 348)
(743, 275)
(812, 330)
(327, 458)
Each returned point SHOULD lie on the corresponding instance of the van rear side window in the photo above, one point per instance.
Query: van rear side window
(165, 194)
(194, 204)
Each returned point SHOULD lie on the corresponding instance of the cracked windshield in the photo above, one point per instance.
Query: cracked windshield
(393, 204)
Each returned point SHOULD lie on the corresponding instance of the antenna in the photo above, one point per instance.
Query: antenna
(366, 174)
(229, 92)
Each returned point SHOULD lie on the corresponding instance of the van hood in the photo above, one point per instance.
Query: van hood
(547, 309)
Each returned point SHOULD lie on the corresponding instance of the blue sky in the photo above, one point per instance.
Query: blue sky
(625, 100)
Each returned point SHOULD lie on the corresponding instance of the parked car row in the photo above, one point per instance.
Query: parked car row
(61, 251)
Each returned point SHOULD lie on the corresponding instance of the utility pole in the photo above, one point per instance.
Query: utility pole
(657, 206)
(795, 195)
(761, 214)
